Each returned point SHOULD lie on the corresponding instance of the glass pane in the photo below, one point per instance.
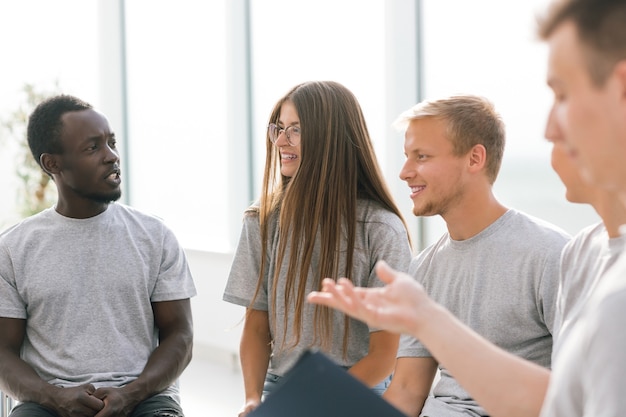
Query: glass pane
(176, 59)
(295, 41)
(489, 47)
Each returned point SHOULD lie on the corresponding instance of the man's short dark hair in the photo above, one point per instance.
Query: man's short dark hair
(45, 125)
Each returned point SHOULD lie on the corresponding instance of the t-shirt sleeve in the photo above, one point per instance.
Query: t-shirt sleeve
(410, 347)
(244, 271)
(389, 242)
(549, 285)
(11, 304)
(174, 281)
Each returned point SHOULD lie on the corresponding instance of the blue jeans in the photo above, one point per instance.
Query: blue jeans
(271, 381)
(382, 386)
(157, 406)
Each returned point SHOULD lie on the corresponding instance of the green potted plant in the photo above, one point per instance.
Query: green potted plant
(36, 190)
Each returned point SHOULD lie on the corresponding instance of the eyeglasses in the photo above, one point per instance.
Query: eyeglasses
(292, 133)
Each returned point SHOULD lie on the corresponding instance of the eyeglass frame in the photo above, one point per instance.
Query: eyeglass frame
(284, 130)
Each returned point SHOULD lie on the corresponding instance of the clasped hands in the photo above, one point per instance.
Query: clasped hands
(87, 401)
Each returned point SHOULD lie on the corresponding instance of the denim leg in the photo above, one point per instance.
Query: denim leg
(158, 406)
(381, 387)
(31, 410)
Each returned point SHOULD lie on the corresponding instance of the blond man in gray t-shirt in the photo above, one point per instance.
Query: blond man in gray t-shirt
(496, 269)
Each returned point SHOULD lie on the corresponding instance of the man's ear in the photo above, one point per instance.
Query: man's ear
(50, 163)
(477, 157)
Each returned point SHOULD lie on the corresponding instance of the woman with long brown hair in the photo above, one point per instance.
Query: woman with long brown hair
(324, 211)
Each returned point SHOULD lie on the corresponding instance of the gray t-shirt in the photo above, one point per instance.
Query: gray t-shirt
(502, 283)
(585, 259)
(380, 234)
(85, 288)
(589, 373)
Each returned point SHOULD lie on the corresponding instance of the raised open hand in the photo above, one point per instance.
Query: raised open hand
(395, 307)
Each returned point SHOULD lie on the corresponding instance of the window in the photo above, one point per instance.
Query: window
(200, 79)
(177, 129)
(488, 47)
(44, 53)
(294, 42)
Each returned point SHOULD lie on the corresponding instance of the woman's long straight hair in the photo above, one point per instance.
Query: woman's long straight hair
(337, 167)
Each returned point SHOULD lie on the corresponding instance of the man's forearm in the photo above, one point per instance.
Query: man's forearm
(20, 381)
(165, 365)
(482, 368)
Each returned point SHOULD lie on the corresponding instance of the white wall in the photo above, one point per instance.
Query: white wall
(217, 324)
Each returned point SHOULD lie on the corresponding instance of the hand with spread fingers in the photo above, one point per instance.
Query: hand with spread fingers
(397, 307)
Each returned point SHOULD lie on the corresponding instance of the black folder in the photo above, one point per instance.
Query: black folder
(317, 387)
